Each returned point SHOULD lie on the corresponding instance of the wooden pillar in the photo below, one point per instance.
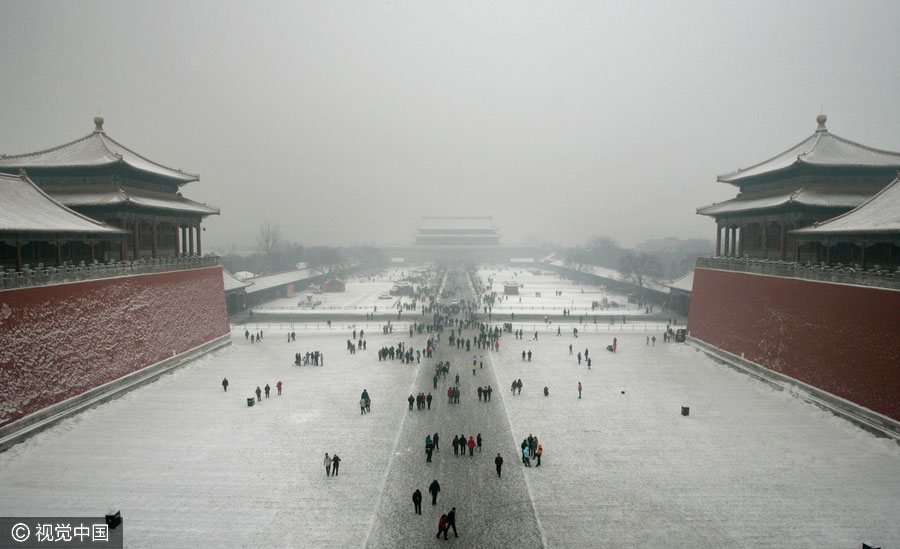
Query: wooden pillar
(718, 240)
(93, 257)
(58, 253)
(862, 260)
(740, 240)
(828, 252)
(137, 240)
(727, 240)
(19, 263)
(191, 237)
(783, 237)
(734, 241)
(183, 239)
(153, 229)
(765, 237)
(123, 256)
(199, 230)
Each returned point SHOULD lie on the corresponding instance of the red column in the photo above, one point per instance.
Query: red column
(191, 237)
(199, 230)
(718, 240)
(183, 239)
(153, 228)
(123, 256)
(727, 240)
(740, 247)
(137, 240)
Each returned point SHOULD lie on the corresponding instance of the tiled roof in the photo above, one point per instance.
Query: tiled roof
(820, 149)
(685, 283)
(878, 215)
(803, 196)
(106, 195)
(457, 224)
(93, 150)
(25, 208)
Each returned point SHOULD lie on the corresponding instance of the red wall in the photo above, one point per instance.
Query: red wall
(841, 339)
(58, 341)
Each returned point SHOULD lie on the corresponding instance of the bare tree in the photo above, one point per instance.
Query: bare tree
(268, 239)
(637, 267)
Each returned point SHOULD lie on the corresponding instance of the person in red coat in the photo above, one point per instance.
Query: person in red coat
(471, 446)
(442, 527)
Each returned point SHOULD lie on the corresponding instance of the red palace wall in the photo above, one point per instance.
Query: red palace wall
(839, 338)
(58, 341)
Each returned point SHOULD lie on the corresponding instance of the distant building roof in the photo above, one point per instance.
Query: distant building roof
(25, 208)
(685, 283)
(878, 215)
(233, 283)
(272, 281)
(112, 194)
(820, 149)
(811, 197)
(94, 150)
(457, 224)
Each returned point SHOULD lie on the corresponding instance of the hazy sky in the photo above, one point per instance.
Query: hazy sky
(346, 121)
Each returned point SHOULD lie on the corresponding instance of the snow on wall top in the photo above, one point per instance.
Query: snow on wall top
(25, 208)
(820, 149)
(96, 149)
(232, 282)
(879, 214)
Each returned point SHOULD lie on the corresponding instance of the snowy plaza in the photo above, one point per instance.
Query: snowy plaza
(190, 465)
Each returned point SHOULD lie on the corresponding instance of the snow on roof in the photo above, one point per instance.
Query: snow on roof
(105, 195)
(25, 208)
(878, 214)
(272, 281)
(685, 283)
(521, 260)
(821, 198)
(96, 149)
(820, 149)
(456, 223)
(232, 282)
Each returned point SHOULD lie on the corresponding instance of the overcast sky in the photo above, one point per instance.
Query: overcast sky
(346, 122)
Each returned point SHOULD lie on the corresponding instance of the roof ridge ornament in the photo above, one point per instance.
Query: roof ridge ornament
(98, 124)
(821, 121)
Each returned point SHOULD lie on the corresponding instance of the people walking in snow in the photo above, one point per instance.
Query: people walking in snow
(434, 489)
(411, 399)
(498, 462)
(451, 522)
(258, 394)
(327, 465)
(417, 501)
(267, 390)
(442, 527)
(456, 445)
(579, 389)
(435, 440)
(225, 384)
(335, 465)
(278, 386)
(362, 406)
(478, 442)
(471, 446)
(526, 456)
(539, 453)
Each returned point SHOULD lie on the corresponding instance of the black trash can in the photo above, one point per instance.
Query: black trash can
(685, 411)
(250, 401)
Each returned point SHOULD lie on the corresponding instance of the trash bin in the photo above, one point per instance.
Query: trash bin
(250, 401)
(685, 411)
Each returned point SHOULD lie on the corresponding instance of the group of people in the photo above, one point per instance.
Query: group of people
(253, 337)
(365, 404)
(314, 358)
(460, 444)
(421, 401)
(517, 386)
(332, 464)
(531, 449)
(484, 393)
(259, 391)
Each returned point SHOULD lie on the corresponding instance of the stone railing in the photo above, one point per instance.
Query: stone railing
(39, 275)
(837, 273)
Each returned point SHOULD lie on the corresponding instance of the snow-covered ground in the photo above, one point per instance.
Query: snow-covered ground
(192, 466)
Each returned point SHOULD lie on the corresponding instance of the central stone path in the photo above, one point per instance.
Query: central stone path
(490, 511)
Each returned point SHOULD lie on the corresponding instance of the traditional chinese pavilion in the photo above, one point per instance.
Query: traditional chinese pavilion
(821, 177)
(457, 231)
(99, 177)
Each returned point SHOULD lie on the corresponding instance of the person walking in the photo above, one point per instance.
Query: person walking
(410, 400)
(335, 465)
(428, 400)
(525, 456)
(278, 386)
(478, 442)
(362, 406)
(429, 448)
(258, 394)
(436, 441)
(451, 521)
(498, 462)
(579, 389)
(327, 465)
(417, 501)
(434, 489)
(471, 446)
(539, 453)
(456, 445)
(267, 390)
(225, 384)
(442, 527)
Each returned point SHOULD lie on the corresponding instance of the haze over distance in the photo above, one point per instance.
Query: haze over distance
(344, 123)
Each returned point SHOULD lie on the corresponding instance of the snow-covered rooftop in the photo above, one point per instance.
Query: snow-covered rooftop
(457, 223)
(820, 198)
(685, 283)
(261, 283)
(25, 208)
(105, 195)
(95, 149)
(232, 282)
(820, 149)
(879, 214)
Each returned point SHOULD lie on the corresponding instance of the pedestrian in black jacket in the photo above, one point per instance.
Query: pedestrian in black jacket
(498, 461)
(417, 501)
(451, 521)
(434, 489)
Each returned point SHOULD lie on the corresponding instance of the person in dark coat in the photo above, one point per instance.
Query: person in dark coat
(411, 400)
(456, 445)
(267, 390)
(225, 384)
(451, 521)
(428, 400)
(436, 441)
(258, 394)
(417, 501)
(498, 461)
(433, 490)
(478, 442)
(429, 448)
(335, 465)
